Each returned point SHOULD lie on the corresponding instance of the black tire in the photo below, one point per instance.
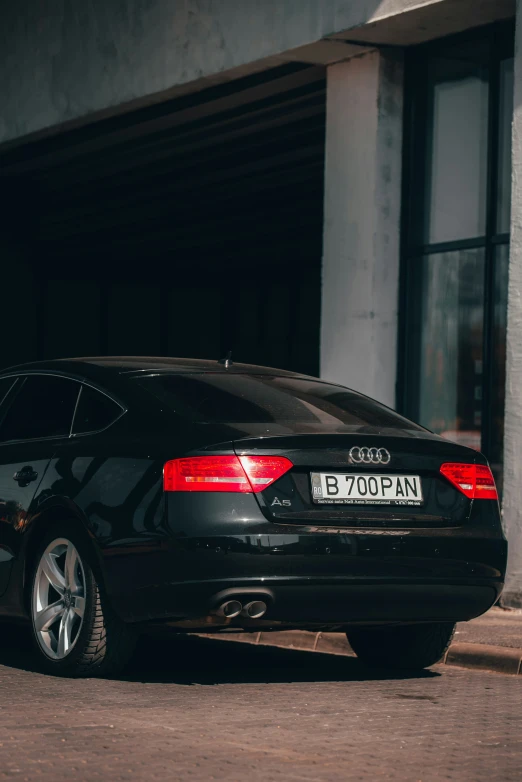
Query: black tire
(403, 647)
(103, 644)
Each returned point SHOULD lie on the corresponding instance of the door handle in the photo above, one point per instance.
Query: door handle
(24, 476)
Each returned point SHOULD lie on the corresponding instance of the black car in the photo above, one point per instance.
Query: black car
(138, 493)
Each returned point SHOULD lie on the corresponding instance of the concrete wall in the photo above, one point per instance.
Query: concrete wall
(512, 506)
(362, 222)
(61, 60)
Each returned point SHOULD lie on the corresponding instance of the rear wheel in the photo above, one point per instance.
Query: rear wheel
(75, 631)
(409, 646)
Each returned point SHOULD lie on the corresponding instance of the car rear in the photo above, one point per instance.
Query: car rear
(295, 503)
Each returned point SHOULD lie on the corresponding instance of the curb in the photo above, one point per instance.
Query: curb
(484, 657)
(463, 655)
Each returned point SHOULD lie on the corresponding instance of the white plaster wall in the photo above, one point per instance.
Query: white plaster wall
(512, 505)
(362, 221)
(65, 59)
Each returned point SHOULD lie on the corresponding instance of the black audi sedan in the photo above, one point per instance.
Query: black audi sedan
(200, 496)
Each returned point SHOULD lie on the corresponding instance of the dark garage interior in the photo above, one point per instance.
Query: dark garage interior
(188, 228)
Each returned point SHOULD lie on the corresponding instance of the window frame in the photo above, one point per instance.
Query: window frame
(23, 375)
(500, 37)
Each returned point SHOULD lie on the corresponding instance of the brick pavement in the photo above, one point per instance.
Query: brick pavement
(198, 709)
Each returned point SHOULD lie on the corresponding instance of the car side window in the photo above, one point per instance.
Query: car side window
(6, 383)
(43, 407)
(95, 411)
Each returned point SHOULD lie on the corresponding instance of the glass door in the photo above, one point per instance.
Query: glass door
(456, 237)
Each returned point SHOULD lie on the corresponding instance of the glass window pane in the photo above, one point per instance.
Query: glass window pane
(504, 162)
(295, 404)
(43, 407)
(451, 302)
(499, 361)
(6, 383)
(457, 145)
(95, 411)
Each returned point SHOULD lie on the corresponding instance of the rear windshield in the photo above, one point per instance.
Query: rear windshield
(296, 404)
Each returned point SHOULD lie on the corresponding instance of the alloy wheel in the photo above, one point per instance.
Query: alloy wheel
(58, 604)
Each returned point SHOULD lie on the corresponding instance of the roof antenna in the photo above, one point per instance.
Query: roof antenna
(227, 361)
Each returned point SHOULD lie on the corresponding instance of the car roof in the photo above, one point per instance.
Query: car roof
(145, 364)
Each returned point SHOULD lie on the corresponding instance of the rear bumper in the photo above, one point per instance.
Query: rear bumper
(315, 604)
(309, 579)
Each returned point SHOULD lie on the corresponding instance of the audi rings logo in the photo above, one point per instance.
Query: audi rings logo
(369, 455)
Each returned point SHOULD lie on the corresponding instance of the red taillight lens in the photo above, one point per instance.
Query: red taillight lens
(474, 480)
(205, 473)
(224, 473)
(264, 470)
(485, 488)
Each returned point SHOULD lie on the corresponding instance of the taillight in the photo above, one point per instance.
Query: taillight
(263, 470)
(474, 480)
(224, 473)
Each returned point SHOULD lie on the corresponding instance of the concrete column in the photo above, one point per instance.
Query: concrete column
(512, 504)
(361, 223)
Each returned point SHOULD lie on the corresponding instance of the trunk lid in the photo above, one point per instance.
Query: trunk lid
(290, 500)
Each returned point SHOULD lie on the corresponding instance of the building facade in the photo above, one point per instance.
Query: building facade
(328, 186)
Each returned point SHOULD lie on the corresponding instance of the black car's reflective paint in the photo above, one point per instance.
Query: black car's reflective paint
(167, 557)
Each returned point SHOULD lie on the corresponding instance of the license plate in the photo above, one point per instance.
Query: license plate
(356, 489)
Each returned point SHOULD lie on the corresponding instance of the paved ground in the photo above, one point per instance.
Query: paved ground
(200, 709)
(491, 642)
(497, 627)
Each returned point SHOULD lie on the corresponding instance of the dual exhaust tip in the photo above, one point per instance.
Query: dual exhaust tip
(232, 608)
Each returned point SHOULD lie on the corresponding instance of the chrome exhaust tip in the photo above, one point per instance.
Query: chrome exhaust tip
(254, 610)
(230, 609)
